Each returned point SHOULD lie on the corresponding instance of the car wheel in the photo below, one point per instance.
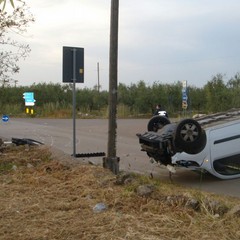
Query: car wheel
(190, 137)
(157, 122)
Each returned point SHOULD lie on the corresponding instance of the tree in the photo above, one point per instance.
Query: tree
(14, 21)
(197, 99)
(4, 2)
(143, 99)
(217, 95)
(234, 90)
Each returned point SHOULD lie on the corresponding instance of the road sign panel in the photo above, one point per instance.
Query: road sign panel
(184, 91)
(184, 84)
(5, 118)
(29, 103)
(28, 95)
(184, 97)
(29, 98)
(73, 64)
(184, 105)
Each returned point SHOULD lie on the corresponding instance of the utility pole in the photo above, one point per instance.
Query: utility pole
(15, 83)
(112, 161)
(98, 84)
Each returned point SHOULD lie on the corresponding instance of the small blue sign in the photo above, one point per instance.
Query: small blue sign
(184, 91)
(184, 98)
(5, 118)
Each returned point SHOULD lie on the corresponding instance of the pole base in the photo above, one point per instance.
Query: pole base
(112, 163)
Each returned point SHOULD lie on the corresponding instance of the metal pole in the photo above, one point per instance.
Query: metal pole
(74, 102)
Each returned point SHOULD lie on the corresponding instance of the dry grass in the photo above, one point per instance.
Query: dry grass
(44, 198)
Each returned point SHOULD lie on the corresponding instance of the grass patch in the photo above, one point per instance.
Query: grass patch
(45, 198)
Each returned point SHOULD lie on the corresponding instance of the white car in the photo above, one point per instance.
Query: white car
(210, 143)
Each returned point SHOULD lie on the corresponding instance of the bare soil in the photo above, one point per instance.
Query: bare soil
(45, 194)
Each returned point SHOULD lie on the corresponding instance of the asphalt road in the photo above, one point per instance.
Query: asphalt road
(92, 137)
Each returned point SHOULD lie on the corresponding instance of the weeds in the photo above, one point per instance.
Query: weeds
(52, 199)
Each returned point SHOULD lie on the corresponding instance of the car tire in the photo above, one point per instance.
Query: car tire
(190, 137)
(157, 122)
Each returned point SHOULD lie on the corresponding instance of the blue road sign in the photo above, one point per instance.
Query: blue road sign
(28, 95)
(184, 90)
(29, 98)
(5, 118)
(184, 98)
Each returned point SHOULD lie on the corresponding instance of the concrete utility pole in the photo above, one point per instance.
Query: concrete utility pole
(111, 161)
(98, 83)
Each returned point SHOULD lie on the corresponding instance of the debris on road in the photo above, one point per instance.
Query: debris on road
(24, 141)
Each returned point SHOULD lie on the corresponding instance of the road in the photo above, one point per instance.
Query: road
(92, 137)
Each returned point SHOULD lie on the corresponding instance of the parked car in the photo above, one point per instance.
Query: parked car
(208, 144)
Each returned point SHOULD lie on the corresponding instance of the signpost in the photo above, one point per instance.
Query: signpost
(73, 72)
(29, 101)
(184, 95)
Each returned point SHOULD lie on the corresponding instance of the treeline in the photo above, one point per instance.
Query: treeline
(135, 100)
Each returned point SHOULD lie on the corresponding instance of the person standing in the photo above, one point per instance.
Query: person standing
(158, 108)
(160, 111)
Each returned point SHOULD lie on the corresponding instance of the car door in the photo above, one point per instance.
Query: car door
(225, 149)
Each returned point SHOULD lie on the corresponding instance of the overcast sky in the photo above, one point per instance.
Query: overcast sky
(162, 41)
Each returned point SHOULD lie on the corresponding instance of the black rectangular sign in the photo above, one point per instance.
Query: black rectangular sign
(73, 55)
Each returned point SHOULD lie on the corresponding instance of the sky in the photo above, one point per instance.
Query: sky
(160, 41)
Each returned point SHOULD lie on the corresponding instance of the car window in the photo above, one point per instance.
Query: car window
(228, 165)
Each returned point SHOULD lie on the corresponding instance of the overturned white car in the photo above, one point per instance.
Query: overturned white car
(210, 143)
